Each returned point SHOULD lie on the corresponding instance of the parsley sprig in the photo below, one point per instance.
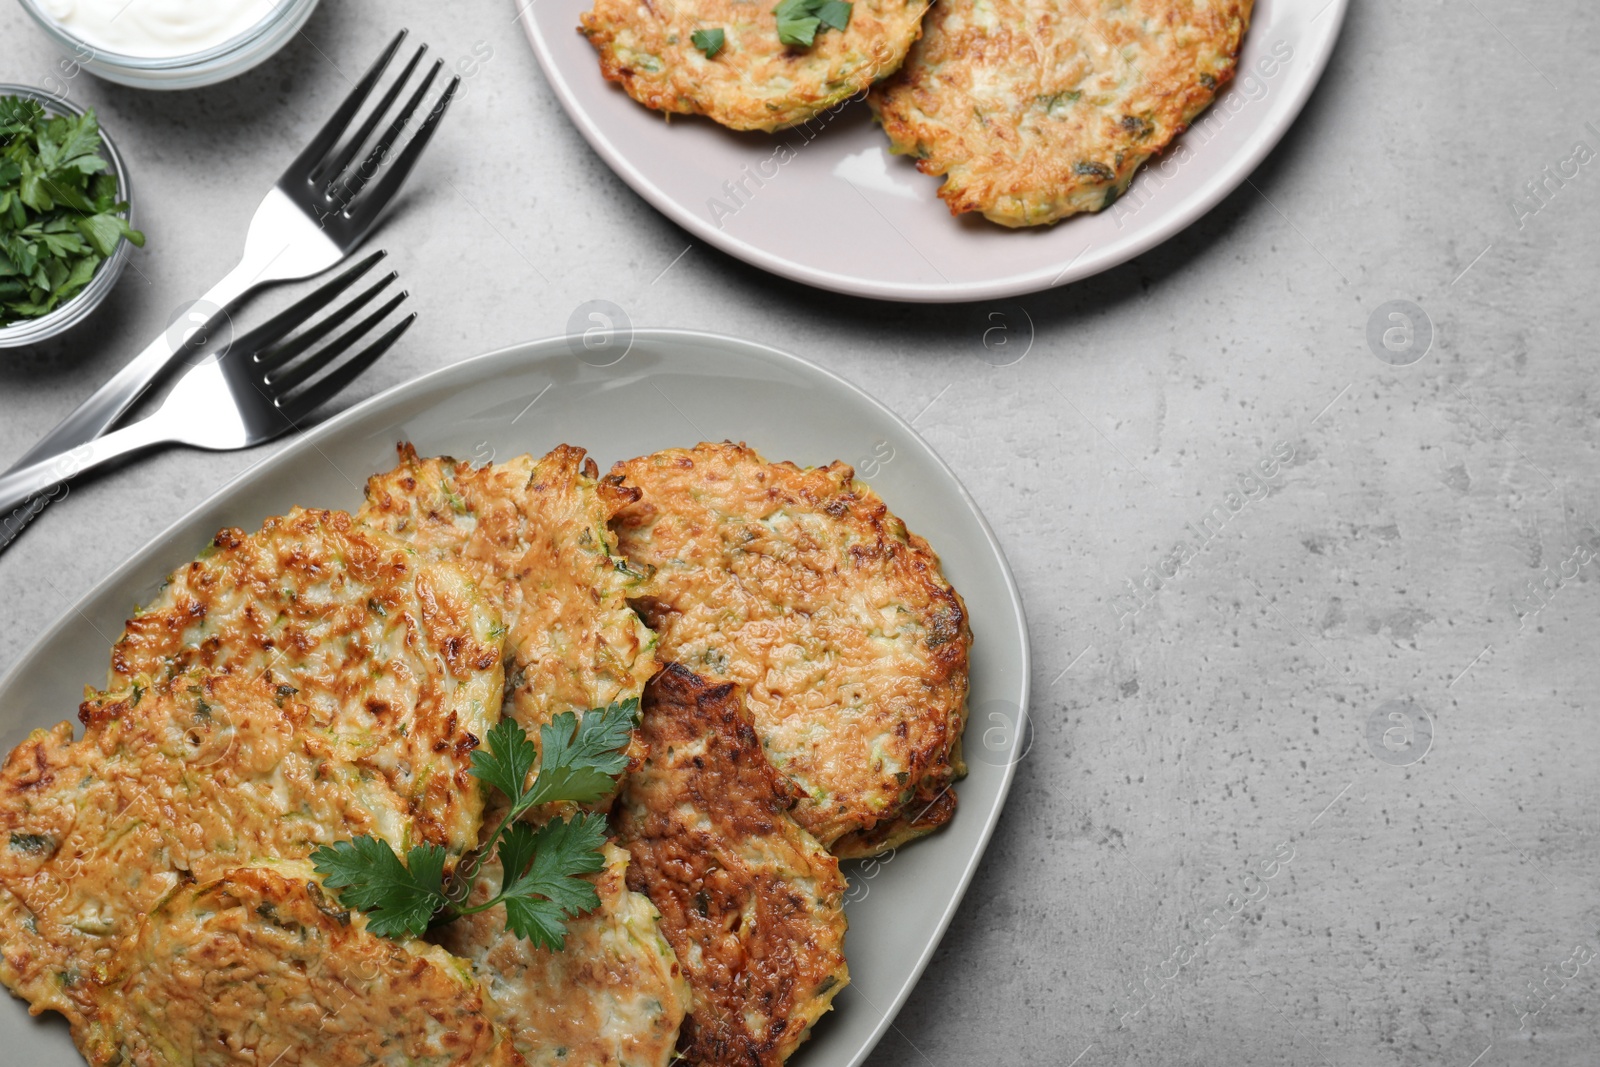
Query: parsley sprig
(799, 21)
(541, 885)
(60, 215)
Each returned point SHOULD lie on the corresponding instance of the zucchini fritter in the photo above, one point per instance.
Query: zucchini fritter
(399, 657)
(614, 995)
(800, 586)
(751, 903)
(533, 535)
(755, 81)
(259, 966)
(1034, 110)
(193, 776)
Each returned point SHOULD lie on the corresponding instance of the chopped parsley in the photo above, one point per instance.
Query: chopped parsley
(541, 885)
(708, 41)
(60, 216)
(799, 21)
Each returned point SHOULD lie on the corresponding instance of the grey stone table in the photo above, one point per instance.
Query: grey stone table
(1224, 846)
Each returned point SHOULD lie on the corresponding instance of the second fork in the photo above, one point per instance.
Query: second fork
(265, 384)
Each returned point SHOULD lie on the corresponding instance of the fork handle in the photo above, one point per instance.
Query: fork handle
(108, 403)
(25, 490)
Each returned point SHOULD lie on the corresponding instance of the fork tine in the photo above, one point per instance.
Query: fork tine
(285, 353)
(281, 324)
(364, 214)
(303, 405)
(331, 170)
(305, 164)
(369, 166)
(283, 384)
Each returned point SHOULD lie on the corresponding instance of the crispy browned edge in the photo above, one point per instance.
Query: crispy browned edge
(934, 802)
(698, 884)
(613, 493)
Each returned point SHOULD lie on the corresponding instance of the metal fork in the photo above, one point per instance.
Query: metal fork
(262, 386)
(318, 212)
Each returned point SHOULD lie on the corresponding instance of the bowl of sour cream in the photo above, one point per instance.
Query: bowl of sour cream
(169, 44)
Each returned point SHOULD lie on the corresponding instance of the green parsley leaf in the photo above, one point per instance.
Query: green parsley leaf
(798, 33)
(60, 215)
(708, 41)
(517, 847)
(18, 115)
(541, 884)
(799, 21)
(549, 892)
(579, 760)
(104, 231)
(835, 14)
(397, 898)
(539, 921)
(73, 145)
(506, 760)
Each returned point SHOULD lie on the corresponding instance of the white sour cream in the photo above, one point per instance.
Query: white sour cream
(157, 29)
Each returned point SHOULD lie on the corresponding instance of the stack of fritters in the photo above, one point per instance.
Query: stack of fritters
(1032, 110)
(304, 684)
(192, 776)
(330, 676)
(534, 536)
(288, 689)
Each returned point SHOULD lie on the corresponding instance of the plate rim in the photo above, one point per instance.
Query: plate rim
(1179, 217)
(554, 345)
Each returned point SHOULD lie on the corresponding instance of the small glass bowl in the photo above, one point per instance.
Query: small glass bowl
(77, 308)
(224, 61)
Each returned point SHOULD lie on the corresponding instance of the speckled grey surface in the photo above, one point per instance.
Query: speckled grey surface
(1214, 852)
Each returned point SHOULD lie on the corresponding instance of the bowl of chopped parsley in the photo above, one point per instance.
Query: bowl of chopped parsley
(65, 221)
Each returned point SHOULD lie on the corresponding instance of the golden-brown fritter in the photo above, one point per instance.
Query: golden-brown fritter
(191, 776)
(800, 586)
(751, 903)
(614, 995)
(398, 656)
(755, 81)
(533, 534)
(1034, 110)
(259, 966)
